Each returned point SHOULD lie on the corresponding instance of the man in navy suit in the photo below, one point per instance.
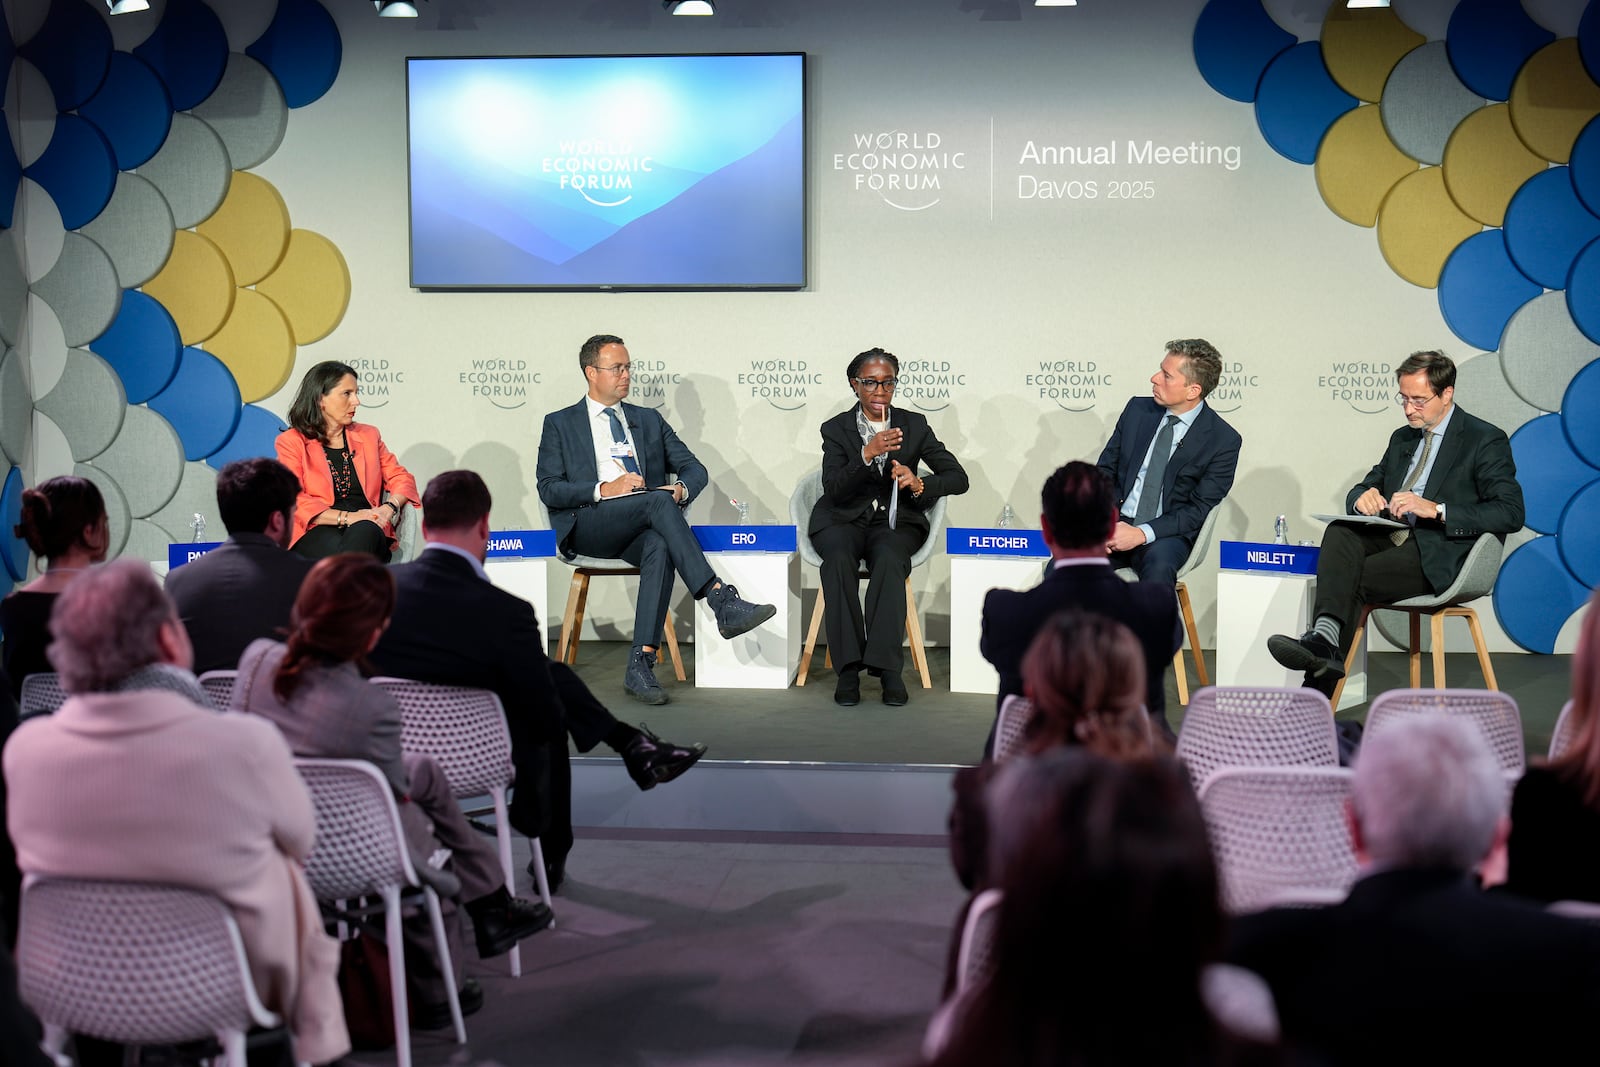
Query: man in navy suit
(1172, 460)
(616, 479)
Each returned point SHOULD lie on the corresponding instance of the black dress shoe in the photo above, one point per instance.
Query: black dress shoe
(554, 873)
(847, 690)
(1310, 652)
(651, 761)
(437, 1016)
(500, 920)
(894, 689)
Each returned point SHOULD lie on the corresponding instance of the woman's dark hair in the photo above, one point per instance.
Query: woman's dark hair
(342, 600)
(1110, 905)
(1085, 674)
(867, 357)
(56, 512)
(305, 414)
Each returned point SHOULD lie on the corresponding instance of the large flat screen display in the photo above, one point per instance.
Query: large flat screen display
(598, 172)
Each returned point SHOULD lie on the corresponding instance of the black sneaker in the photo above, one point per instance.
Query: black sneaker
(1310, 652)
(735, 615)
(640, 678)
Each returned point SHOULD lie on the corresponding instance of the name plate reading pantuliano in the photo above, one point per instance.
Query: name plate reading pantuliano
(521, 544)
(1265, 556)
(179, 553)
(970, 541)
(762, 538)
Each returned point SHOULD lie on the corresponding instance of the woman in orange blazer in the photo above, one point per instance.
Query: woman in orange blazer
(352, 488)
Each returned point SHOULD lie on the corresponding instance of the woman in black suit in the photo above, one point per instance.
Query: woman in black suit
(873, 508)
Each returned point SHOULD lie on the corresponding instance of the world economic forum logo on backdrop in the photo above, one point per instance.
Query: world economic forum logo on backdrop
(380, 380)
(929, 384)
(649, 382)
(906, 169)
(502, 383)
(1367, 387)
(1071, 384)
(1235, 385)
(783, 383)
(602, 172)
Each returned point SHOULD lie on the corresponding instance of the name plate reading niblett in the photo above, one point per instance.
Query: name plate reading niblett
(179, 554)
(761, 538)
(521, 544)
(1264, 556)
(971, 541)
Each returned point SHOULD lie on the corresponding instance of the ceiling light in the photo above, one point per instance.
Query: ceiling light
(689, 7)
(1055, 3)
(125, 7)
(1366, 3)
(395, 9)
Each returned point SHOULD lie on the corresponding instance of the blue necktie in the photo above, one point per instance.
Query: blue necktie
(620, 438)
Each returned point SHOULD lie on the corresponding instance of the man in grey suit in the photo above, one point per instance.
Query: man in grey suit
(616, 479)
(244, 588)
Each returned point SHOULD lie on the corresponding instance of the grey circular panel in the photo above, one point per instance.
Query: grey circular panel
(147, 541)
(89, 404)
(135, 229)
(30, 111)
(1482, 389)
(25, 18)
(191, 170)
(1431, 18)
(43, 347)
(245, 20)
(1542, 350)
(145, 459)
(117, 516)
(16, 407)
(1303, 18)
(1560, 17)
(197, 492)
(82, 289)
(42, 229)
(1423, 101)
(13, 286)
(247, 111)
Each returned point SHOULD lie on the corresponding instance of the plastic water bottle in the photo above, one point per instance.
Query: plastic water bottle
(1280, 531)
(1007, 519)
(199, 527)
(743, 508)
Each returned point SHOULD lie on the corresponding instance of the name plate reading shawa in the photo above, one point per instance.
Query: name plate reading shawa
(180, 553)
(967, 541)
(521, 544)
(746, 538)
(1263, 556)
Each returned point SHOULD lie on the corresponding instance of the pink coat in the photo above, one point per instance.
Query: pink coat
(375, 465)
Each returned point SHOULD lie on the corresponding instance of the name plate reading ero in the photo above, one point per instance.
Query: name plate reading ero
(1263, 556)
(761, 538)
(969, 541)
(179, 553)
(521, 544)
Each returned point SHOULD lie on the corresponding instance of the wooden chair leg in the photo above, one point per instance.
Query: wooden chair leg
(671, 634)
(1436, 632)
(1182, 674)
(1478, 643)
(919, 653)
(1350, 658)
(1187, 608)
(572, 619)
(1414, 650)
(811, 642)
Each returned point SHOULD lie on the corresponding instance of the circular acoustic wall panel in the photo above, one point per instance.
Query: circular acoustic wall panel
(1578, 536)
(196, 286)
(247, 111)
(188, 50)
(1419, 226)
(13, 549)
(311, 285)
(201, 403)
(132, 109)
(191, 170)
(1583, 291)
(1488, 41)
(82, 290)
(1234, 41)
(251, 228)
(1543, 350)
(1480, 289)
(1582, 429)
(77, 170)
(196, 495)
(88, 404)
(1552, 100)
(1485, 163)
(1550, 472)
(1536, 594)
(72, 50)
(43, 348)
(141, 345)
(30, 112)
(146, 460)
(118, 517)
(135, 229)
(256, 345)
(1298, 101)
(1547, 226)
(1361, 47)
(1431, 18)
(40, 231)
(258, 428)
(1423, 103)
(16, 407)
(1481, 388)
(302, 49)
(1357, 165)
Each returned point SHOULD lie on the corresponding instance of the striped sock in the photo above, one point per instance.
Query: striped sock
(1327, 627)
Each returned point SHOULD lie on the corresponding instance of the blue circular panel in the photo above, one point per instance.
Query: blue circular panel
(1234, 40)
(1578, 408)
(1550, 472)
(77, 169)
(1547, 226)
(1489, 40)
(1480, 289)
(13, 549)
(189, 50)
(254, 437)
(1583, 292)
(1298, 101)
(71, 50)
(1579, 535)
(1535, 595)
(202, 403)
(1589, 41)
(132, 109)
(10, 178)
(141, 345)
(1585, 162)
(302, 50)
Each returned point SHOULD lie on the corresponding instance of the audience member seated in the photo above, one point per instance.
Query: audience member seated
(1110, 925)
(313, 689)
(146, 785)
(1554, 851)
(64, 524)
(242, 589)
(1418, 965)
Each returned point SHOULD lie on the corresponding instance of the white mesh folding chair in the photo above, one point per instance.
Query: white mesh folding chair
(465, 732)
(42, 694)
(1561, 737)
(1492, 712)
(1016, 713)
(1279, 835)
(975, 956)
(218, 685)
(1239, 726)
(361, 852)
(135, 963)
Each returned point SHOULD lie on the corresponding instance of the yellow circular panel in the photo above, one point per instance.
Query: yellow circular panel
(1485, 163)
(1419, 226)
(256, 346)
(1361, 46)
(1357, 165)
(1553, 99)
(251, 227)
(312, 285)
(196, 286)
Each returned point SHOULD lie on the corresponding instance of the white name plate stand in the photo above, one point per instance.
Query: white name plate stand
(981, 560)
(519, 562)
(763, 562)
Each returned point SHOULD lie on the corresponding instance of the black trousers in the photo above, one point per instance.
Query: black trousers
(1155, 561)
(1360, 565)
(649, 531)
(542, 801)
(872, 640)
(363, 536)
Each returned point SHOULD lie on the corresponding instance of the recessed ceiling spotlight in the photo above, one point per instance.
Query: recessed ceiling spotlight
(689, 7)
(395, 9)
(1055, 3)
(127, 7)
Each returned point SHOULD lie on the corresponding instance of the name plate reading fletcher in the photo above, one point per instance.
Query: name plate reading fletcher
(968, 541)
(521, 544)
(186, 552)
(747, 538)
(1261, 556)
